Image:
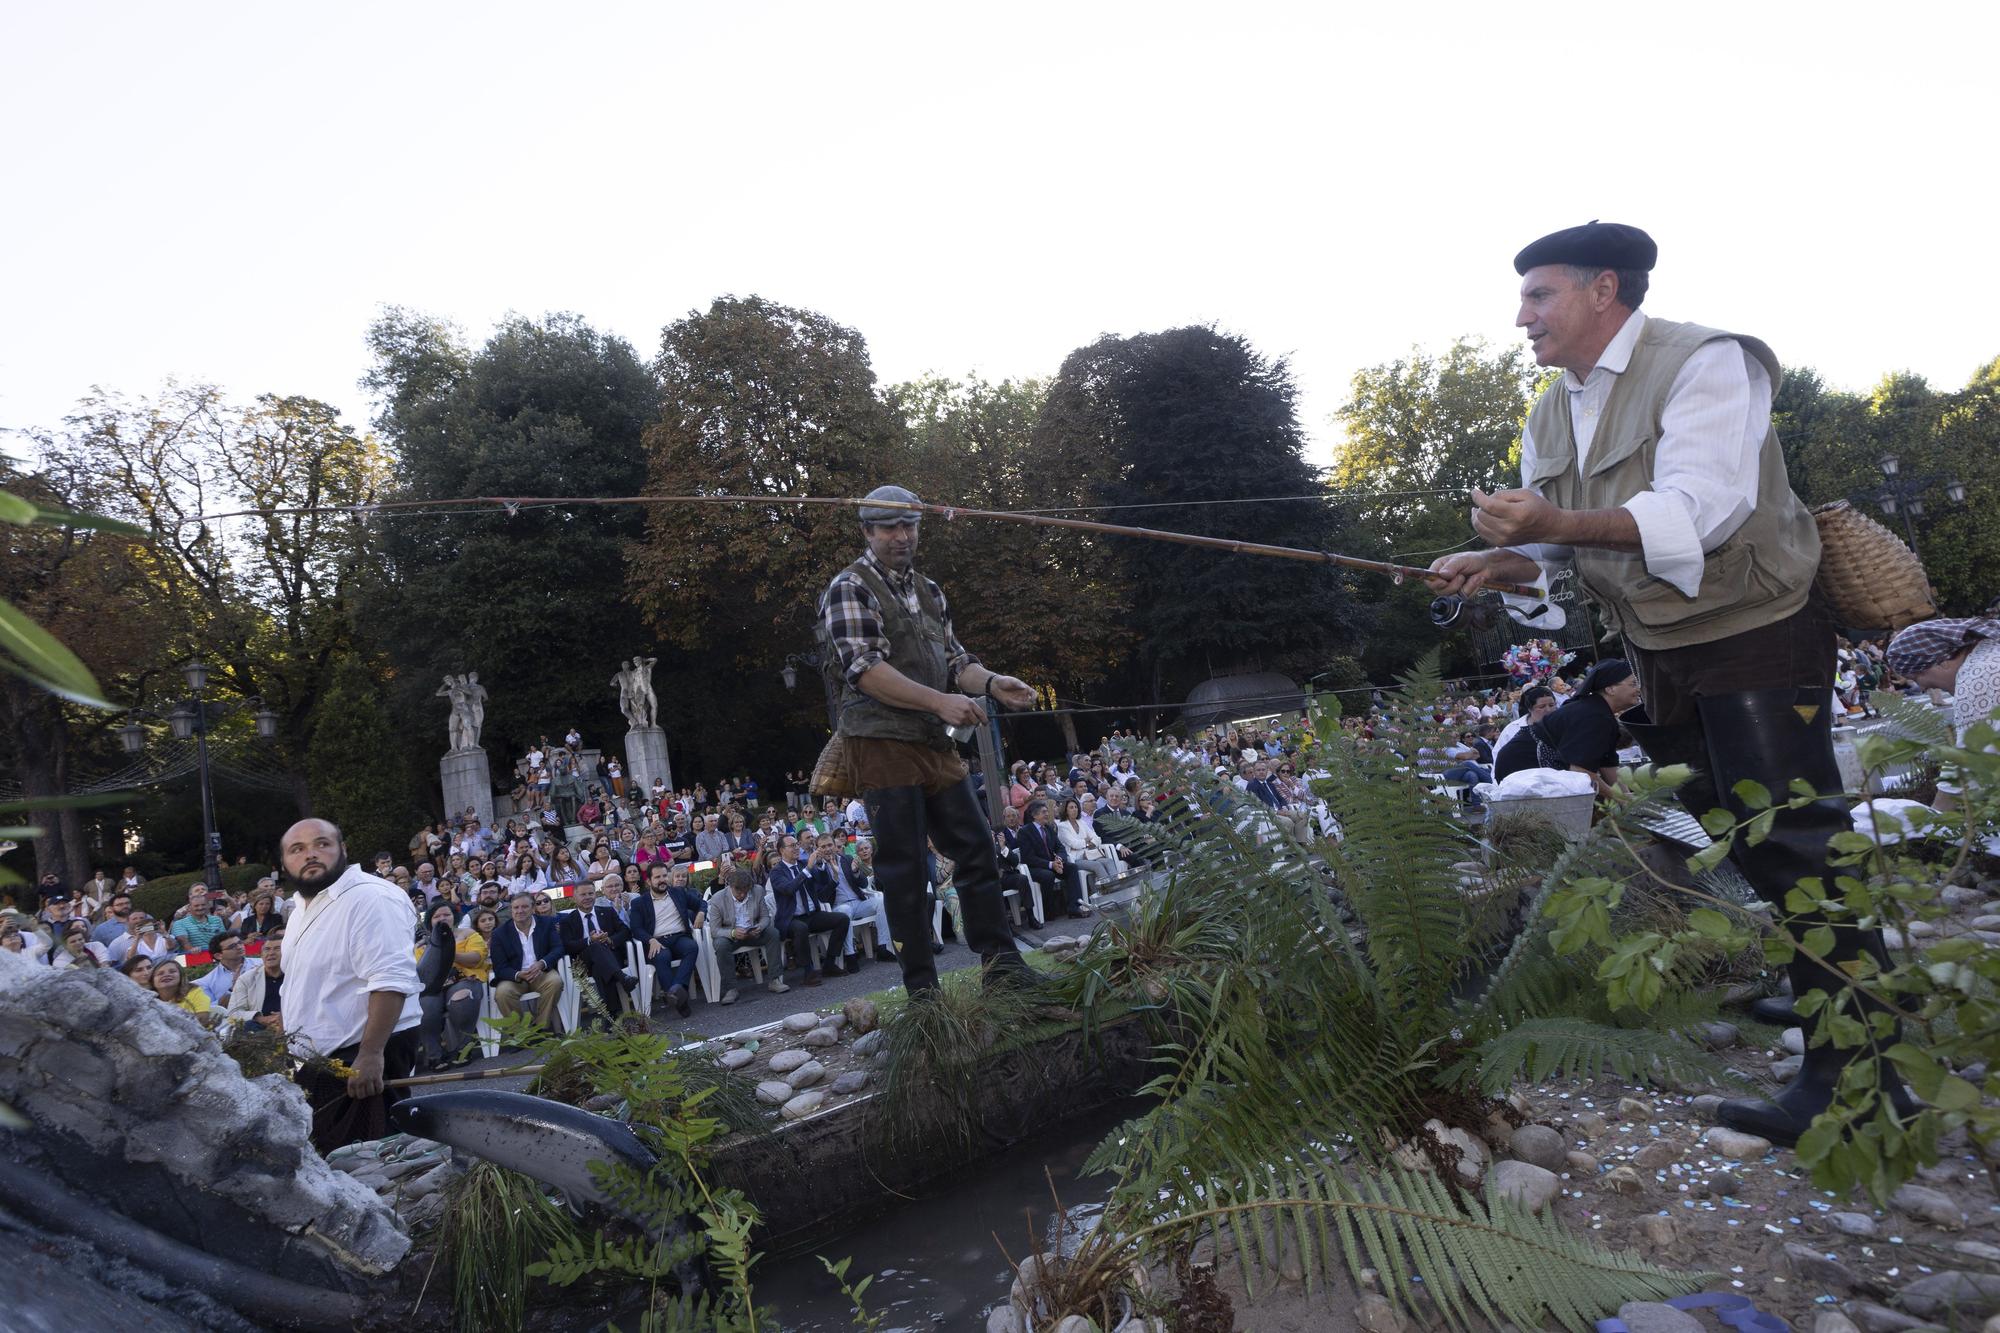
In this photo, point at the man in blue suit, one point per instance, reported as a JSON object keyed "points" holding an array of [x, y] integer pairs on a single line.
{"points": [[526, 951], [664, 921], [592, 933], [804, 893]]}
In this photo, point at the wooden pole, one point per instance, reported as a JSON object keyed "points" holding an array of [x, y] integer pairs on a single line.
{"points": [[989, 760], [464, 1076], [512, 503]]}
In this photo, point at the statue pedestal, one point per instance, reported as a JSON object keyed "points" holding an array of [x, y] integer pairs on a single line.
{"points": [[645, 760], [468, 784]]}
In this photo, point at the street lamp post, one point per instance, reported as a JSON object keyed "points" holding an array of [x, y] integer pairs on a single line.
{"points": [[789, 673], [190, 719], [1903, 494]]}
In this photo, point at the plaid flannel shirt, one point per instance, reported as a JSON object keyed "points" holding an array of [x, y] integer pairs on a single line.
{"points": [[853, 621]]}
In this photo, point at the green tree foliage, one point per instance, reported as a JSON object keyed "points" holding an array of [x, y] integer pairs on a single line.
{"points": [[88, 592], [1420, 433], [531, 600], [1031, 600], [262, 600], [756, 399], [1834, 440], [1164, 425], [355, 782]]}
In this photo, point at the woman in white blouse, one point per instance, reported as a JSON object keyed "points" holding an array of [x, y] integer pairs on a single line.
{"points": [[1081, 845]]}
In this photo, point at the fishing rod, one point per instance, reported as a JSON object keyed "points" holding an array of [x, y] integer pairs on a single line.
{"points": [[514, 503]]}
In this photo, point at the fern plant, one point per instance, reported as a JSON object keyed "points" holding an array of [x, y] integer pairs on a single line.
{"points": [[1313, 1007]]}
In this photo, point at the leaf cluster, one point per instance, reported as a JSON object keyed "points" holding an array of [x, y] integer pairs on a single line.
{"points": [[1314, 1006]]}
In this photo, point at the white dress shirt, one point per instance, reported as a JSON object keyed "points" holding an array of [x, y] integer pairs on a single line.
{"points": [[350, 939], [1705, 467]]}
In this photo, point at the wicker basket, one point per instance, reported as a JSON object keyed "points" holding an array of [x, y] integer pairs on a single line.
{"points": [[1871, 580]]}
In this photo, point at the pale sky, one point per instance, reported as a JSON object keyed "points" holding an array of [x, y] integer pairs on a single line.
{"points": [[228, 192]]}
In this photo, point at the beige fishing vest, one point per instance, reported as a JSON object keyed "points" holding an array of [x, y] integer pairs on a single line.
{"points": [[1762, 574]]}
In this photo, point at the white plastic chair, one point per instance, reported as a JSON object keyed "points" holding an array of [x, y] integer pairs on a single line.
{"points": [[635, 962], [569, 1004]]}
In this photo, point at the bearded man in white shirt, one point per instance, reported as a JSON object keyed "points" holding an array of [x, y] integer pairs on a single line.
{"points": [[1653, 467], [350, 984]]}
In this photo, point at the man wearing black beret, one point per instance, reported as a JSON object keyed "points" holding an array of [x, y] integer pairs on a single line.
{"points": [[1653, 467]]}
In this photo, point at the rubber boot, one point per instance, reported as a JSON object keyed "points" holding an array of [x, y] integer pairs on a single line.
{"points": [[897, 819], [1775, 737], [1682, 743], [1685, 744], [960, 829]]}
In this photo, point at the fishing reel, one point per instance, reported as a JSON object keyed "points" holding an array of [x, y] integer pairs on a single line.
{"points": [[1479, 615]]}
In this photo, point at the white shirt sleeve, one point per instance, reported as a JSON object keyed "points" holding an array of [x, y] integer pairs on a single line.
{"points": [[384, 956], [1705, 469]]}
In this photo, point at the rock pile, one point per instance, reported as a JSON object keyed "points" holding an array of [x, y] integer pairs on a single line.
{"points": [[137, 1106]]}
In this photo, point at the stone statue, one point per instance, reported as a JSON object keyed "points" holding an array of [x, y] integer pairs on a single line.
{"points": [[634, 683], [468, 709]]}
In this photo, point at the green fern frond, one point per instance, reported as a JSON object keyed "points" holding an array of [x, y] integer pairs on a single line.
{"points": [[1911, 720], [1543, 1048], [1482, 1262]]}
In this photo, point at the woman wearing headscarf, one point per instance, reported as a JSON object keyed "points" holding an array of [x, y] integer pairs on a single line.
{"points": [[1961, 657], [1582, 735]]}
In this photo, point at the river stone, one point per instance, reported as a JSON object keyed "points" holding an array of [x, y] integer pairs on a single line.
{"points": [[866, 1044], [1833, 1321], [1959, 896], [1005, 1319], [1660, 1231], [1992, 1325], [1988, 922], [807, 1074], [1580, 1162], [1852, 1224], [1875, 1318], [1623, 1180], [1727, 1182], [1059, 943], [804, 1104], [821, 1037], [1589, 1124], [853, 1081], [1718, 1036], [1658, 1317], [1538, 1144], [774, 1092], [1471, 1152], [1631, 1108], [1817, 1269], [429, 1183], [1793, 1041], [1656, 1156], [736, 1059], [1787, 1069], [805, 1022], [1375, 1314], [784, 1062], [1074, 1323], [1951, 1290], [1704, 1107], [1733, 1143], [1974, 1249], [861, 1014], [1525, 1184], [1928, 1205]]}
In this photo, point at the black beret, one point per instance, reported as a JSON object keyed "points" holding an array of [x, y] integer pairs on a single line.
{"points": [[1599, 244]]}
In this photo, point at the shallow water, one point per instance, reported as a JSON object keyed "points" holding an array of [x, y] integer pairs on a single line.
{"points": [[934, 1259]]}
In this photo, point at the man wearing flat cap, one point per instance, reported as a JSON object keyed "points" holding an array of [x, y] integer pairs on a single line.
{"points": [[1652, 466], [886, 640]]}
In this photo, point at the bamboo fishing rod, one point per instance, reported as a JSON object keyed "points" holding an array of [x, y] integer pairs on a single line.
{"points": [[464, 1076], [514, 503]]}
